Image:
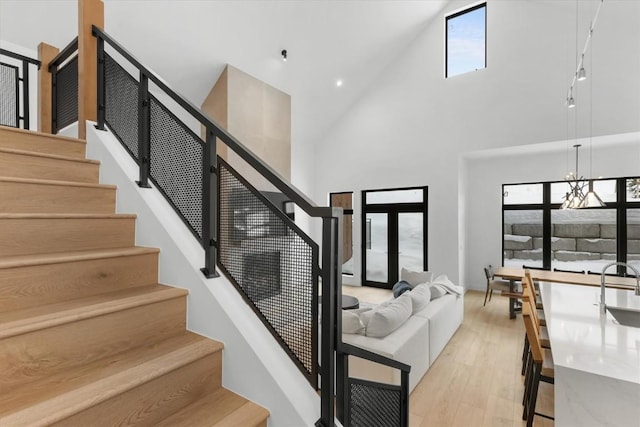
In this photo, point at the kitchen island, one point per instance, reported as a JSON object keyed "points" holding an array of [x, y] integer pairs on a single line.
{"points": [[596, 360]]}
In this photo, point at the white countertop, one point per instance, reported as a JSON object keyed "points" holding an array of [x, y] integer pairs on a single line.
{"points": [[583, 340]]}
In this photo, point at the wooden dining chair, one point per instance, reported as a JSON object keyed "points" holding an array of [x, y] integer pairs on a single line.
{"points": [[539, 368], [528, 296], [533, 296], [499, 285]]}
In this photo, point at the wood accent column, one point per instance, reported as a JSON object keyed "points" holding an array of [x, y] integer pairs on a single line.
{"points": [[90, 12], [46, 53], [259, 115]]}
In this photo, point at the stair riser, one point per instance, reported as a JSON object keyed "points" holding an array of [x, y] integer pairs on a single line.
{"points": [[26, 166], [18, 197], [34, 355], [31, 286], [155, 400], [23, 236], [17, 140]]}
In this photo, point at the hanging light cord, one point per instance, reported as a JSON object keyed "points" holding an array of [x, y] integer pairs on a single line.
{"points": [[586, 44], [591, 105]]}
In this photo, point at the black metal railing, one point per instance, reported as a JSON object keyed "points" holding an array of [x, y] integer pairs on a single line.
{"points": [[363, 403], [64, 87], [14, 89], [274, 265]]}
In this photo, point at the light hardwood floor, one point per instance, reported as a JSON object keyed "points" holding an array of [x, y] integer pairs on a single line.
{"points": [[476, 379]]}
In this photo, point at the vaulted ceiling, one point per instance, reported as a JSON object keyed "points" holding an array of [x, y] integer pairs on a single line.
{"points": [[189, 42]]}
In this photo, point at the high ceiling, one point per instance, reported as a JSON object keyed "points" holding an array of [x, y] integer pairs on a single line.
{"points": [[189, 42]]}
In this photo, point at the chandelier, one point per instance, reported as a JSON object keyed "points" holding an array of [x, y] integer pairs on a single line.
{"points": [[576, 198]]}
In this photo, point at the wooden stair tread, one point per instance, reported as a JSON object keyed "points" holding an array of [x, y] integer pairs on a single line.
{"points": [[48, 156], [65, 216], [63, 257], [46, 316], [222, 408], [44, 135], [42, 143], [55, 182], [62, 395]]}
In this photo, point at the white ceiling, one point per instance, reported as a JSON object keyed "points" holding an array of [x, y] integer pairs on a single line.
{"points": [[189, 42]]}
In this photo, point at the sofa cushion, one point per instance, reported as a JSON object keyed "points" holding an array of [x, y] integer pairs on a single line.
{"points": [[351, 323], [400, 288], [446, 302], [408, 344], [445, 316], [420, 297], [385, 319], [437, 290], [414, 278], [414, 332]]}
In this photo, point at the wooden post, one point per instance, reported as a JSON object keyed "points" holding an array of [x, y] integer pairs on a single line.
{"points": [[90, 12], [46, 53]]}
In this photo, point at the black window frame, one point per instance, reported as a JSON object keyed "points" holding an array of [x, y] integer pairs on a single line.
{"points": [[446, 35], [621, 205], [393, 209]]}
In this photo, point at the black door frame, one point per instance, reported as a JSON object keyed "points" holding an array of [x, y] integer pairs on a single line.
{"points": [[392, 210]]}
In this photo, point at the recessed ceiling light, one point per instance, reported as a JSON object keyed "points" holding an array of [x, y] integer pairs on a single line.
{"points": [[339, 83]]}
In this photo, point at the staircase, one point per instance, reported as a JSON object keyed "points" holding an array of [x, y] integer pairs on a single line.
{"points": [[87, 335]]}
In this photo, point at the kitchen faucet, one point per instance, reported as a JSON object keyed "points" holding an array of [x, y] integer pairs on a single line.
{"points": [[603, 307]]}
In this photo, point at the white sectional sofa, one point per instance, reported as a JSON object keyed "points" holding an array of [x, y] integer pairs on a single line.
{"points": [[417, 343]]}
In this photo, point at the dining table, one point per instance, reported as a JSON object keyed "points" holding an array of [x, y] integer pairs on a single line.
{"points": [[515, 275]]}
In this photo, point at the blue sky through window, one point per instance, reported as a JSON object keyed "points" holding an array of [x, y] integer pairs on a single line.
{"points": [[466, 42]]}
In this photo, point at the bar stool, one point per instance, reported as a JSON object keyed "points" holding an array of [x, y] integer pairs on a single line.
{"points": [[539, 369], [527, 297]]}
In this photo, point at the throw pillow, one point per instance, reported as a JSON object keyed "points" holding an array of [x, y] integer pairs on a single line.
{"points": [[437, 290], [414, 278], [351, 323], [400, 288], [387, 319], [420, 297]]}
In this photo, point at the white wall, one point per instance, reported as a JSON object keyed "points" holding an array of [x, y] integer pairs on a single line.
{"points": [[486, 171], [412, 126], [254, 364]]}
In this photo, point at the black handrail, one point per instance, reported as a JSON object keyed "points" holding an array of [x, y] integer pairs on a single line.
{"points": [[63, 55], [374, 357], [330, 271], [20, 57], [246, 154]]}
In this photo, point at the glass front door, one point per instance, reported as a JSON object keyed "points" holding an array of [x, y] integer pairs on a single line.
{"points": [[394, 234]]}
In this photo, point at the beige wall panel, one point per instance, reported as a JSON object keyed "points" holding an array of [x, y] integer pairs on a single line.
{"points": [[215, 105], [259, 116]]}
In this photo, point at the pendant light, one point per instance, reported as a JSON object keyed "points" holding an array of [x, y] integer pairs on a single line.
{"points": [[591, 199], [575, 196], [580, 73]]}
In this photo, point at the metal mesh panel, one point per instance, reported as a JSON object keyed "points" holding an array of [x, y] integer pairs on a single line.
{"points": [[121, 104], [176, 164], [67, 94], [271, 262], [8, 95], [373, 405]]}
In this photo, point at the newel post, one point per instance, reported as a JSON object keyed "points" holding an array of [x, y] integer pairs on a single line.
{"points": [[46, 53], [90, 12]]}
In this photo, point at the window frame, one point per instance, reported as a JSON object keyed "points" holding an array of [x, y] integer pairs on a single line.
{"points": [[446, 35], [392, 210], [621, 205]]}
